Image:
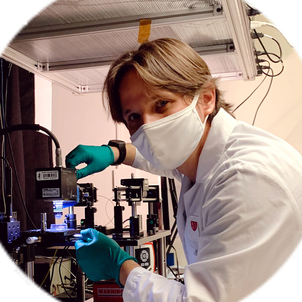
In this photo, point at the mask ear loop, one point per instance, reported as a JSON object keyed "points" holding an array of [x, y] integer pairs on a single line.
{"points": [[205, 121], [195, 99], [194, 103]]}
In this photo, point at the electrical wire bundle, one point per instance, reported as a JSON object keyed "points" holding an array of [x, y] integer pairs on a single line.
{"points": [[176, 274], [262, 68], [73, 279], [264, 61]]}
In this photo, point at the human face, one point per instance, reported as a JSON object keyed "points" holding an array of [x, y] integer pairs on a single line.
{"points": [[141, 106]]}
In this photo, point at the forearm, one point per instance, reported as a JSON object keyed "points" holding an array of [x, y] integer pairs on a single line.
{"points": [[126, 269], [130, 154]]}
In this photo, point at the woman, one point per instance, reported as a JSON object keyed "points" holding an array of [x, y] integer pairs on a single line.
{"points": [[241, 199]]}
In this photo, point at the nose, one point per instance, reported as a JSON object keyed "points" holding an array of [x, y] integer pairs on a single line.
{"points": [[142, 119], [147, 118]]}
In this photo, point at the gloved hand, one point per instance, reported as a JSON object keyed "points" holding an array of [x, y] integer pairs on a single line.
{"points": [[97, 159], [99, 256]]}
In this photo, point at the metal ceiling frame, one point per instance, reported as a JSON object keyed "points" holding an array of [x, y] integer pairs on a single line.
{"points": [[83, 28], [88, 63], [47, 70], [239, 27], [33, 66]]}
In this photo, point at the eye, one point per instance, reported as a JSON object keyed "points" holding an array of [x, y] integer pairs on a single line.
{"points": [[133, 122], [133, 117], [161, 104]]}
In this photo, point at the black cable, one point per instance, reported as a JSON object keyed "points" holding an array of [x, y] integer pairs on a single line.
{"points": [[173, 196], [252, 11], [6, 92], [250, 94], [175, 206], [3, 120], [36, 127], [18, 183], [269, 54], [176, 276], [177, 263], [5, 160], [4, 124], [3, 176], [60, 274], [53, 268], [274, 75], [264, 49], [173, 237], [10, 66], [65, 248], [3, 111], [30, 127], [278, 44], [269, 87], [266, 75], [2, 89], [2, 117]]}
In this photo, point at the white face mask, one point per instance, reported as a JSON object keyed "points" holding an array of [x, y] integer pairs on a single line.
{"points": [[168, 142]]}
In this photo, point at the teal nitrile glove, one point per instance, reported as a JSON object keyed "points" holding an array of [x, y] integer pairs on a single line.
{"points": [[99, 256], [97, 159]]}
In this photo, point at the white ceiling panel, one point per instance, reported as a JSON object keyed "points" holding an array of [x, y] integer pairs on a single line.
{"points": [[74, 41], [76, 11]]}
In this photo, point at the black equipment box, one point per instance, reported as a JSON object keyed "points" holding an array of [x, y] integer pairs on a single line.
{"points": [[56, 184]]}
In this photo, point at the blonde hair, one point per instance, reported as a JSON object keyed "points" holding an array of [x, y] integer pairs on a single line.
{"points": [[162, 64]]}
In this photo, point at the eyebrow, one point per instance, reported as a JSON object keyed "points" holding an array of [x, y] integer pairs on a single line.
{"points": [[126, 112], [159, 96], [155, 97]]}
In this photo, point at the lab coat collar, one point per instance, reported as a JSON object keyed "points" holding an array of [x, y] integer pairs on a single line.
{"points": [[220, 131]]}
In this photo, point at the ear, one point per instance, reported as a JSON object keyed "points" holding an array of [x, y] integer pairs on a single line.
{"points": [[207, 98]]}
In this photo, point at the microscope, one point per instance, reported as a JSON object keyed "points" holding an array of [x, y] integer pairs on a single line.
{"points": [[59, 186], [135, 191]]}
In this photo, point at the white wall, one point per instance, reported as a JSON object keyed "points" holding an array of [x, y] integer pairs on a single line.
{"points": [[43, 101]]}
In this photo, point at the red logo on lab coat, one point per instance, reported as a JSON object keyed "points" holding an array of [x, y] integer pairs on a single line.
{"points": [[194, 225]]}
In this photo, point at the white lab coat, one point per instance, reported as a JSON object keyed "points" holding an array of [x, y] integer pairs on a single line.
{"points": [[238, 223]]}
